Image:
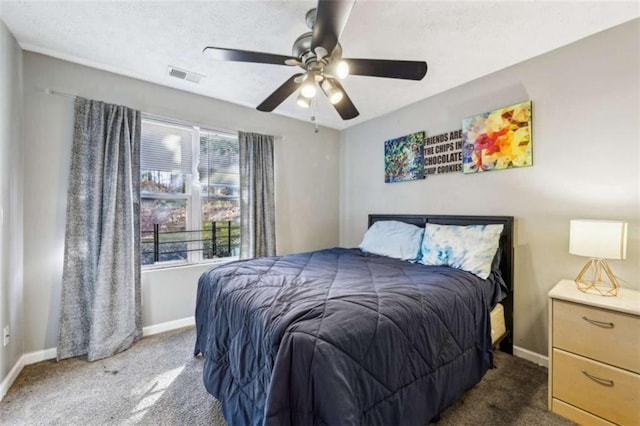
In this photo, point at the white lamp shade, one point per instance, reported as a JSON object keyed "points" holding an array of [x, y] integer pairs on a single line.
{"points": [[601, 239]]}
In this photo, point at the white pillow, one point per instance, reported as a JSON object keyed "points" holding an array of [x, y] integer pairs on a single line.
{"points": [[470, 248], [393, 239]]}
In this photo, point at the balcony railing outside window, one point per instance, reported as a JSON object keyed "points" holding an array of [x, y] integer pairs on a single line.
{"points": [[215, 240]]}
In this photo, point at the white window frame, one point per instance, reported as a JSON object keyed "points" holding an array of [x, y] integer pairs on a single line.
{"points": [[193, 213]]}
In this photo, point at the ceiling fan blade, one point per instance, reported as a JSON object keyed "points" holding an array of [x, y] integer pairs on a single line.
{"points": [[331, 17], [345, 107], [220, 53], [408, 70], [280, 94]]}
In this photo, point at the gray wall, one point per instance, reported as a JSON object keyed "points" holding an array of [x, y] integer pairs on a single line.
{"points": [[586, 164], [307, 174], [11, 307]]}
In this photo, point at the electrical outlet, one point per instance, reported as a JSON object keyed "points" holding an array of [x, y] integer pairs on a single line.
{"points": [[5, 336]]}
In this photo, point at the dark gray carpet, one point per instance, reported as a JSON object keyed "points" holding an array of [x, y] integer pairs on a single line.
{"points": [[159, 382]]}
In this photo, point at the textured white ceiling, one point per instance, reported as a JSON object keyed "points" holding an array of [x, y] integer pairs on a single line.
{"points": [[460, 41]]}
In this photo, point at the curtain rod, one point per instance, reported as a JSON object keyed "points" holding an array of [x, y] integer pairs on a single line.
{"points": [[160, 117], [55, 92]]}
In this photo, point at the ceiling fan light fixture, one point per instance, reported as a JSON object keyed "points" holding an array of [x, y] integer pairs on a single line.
{"points": [[303, 101], [336, 97], [308, 90], [342, 70], [338, 69], [331, 91]]}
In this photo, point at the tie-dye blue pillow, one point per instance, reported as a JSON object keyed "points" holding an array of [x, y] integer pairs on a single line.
{"points": [[470, 248], [393, 239]]}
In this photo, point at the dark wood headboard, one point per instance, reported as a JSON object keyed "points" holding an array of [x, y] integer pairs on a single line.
{"points": [[506, 243]]}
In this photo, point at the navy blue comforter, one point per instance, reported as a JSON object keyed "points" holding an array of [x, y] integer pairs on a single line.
{"points": [[340, 337]]}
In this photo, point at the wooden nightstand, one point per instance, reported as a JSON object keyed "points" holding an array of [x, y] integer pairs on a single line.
{"points": [[594, 356]]}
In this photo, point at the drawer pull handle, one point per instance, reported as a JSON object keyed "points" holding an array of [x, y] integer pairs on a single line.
{"points": [[599, 323], [604, 382]]}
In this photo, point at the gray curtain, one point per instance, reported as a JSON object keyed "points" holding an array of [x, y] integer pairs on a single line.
{"points": [[257, 206], [100, 309]]}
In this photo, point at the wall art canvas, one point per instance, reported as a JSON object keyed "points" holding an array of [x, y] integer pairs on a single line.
{"points": [[404, 158], [496, 140]]}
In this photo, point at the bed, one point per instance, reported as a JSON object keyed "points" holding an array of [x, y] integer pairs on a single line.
{"points": [[341, 336]]}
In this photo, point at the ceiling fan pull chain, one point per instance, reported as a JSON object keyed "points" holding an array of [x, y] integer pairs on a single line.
{"points": [[313, 115]]}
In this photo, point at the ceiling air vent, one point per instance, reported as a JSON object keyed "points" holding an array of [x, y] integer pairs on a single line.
{"points": [[185, 75]]}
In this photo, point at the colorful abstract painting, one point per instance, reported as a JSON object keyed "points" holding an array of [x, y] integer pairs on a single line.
{"points": [[497, 140], [404, 158]]}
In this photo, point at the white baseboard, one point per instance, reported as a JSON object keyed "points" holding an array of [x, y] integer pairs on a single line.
{"points": [[25, 359], [37, 356], [43, 355], [167, 326], [534, 357], [11, 377]]}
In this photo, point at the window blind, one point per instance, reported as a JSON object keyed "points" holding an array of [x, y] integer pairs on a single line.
{"points": [[165, 148], [219, 166]]}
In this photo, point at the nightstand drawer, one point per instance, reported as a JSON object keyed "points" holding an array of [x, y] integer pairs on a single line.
{"points": [[607, 336], [597, 388], [577, 415]]}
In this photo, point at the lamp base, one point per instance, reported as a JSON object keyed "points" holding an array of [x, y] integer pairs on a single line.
{"points": [[597, 284]]}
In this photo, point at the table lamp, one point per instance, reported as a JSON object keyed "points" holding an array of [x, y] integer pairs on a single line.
{"points": [[598, 240]]}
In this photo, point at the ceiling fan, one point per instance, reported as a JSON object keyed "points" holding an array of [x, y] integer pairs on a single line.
{"points": [[319, 54]]}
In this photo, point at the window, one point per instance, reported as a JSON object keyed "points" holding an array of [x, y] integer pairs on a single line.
{"points": [[190, 201]]}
